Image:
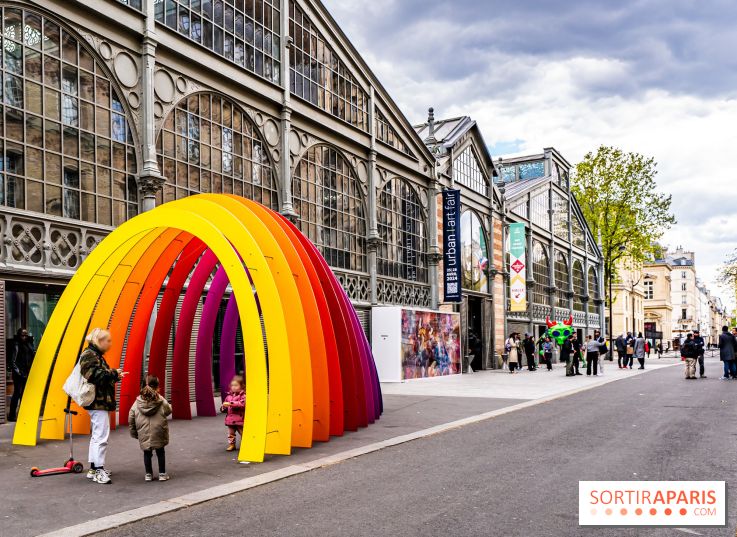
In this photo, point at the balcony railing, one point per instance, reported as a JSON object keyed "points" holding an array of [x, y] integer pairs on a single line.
{"points": [[45, 244], [402, 292]]}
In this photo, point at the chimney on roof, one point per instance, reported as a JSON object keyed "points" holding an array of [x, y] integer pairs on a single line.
{"points": [[430, 127]]}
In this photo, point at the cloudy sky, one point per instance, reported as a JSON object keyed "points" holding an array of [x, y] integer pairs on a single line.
{"points": [[658, 77]]}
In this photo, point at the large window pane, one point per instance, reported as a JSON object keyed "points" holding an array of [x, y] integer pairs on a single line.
{"points": [[58, 113], [204, 133], [329, 201], [403, 247]]}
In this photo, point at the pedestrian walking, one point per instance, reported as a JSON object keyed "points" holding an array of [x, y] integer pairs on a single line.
{"points": [[235, 408], [603, 349], [699, 344], [548, 353], [690, 352], [566, 354], [621, 347], [529, 346], [96, 370], [639, 346], [659, 350], [629, 350], [593, 348], [576, 353], [148, 423], [727, 354], [648, 348], [22, 353]]}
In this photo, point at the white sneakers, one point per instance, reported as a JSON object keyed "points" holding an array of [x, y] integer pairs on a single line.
{"points": [[162, 477], [91, 474], [102, 477]]}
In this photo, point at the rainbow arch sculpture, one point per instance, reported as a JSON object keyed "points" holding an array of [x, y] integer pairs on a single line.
{"points": [[314, 378]]}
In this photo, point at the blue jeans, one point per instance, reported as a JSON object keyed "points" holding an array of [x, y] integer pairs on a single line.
{"points": [[730, 368]]}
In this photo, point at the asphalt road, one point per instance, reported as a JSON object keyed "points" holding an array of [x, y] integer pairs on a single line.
{"points": [[515, 475]]}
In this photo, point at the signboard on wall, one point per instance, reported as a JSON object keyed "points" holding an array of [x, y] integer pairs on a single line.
{"points": [[452, 245], [517, 268], [415, 344]]}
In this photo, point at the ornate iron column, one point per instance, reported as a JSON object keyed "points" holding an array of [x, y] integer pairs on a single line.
{"points": [[434, 255], [373, 239], [150, 179], [286, 206]]}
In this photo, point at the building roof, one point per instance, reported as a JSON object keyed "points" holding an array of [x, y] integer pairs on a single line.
{"points": [[516, 189], [446, 131]]}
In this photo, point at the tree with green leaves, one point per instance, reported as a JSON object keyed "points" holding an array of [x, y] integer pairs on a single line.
{"points": [[728, 274], [619, 198]]}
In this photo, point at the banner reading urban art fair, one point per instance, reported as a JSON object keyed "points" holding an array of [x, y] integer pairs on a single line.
{"points": [[452, 245], [517, 269]]}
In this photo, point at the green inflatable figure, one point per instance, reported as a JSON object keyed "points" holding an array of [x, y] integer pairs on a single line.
{"points": [[559, 332]]}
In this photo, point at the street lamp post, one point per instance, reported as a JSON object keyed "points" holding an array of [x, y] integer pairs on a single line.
{"points": [[611, 299]]}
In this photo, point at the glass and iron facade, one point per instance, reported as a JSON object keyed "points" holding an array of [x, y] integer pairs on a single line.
{"points": [[100, 123], [565, 259], [464, 163]]}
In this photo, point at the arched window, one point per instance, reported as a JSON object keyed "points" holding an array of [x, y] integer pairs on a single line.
{"points": [[541, 274], [208, 144], [561, 280], [67, 148], [329, 201], [578, 286], [593, 290], [474, 253], [403, 249], [467, 171]]}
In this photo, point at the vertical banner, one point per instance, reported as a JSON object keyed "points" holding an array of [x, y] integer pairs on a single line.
{"points": [[452, 245], [517, 268]]}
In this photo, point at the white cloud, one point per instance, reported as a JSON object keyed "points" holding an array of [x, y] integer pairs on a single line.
{"points": [[575, 103]]}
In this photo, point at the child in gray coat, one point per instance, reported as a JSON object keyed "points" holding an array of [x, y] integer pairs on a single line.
{"points": [[148, 423]]}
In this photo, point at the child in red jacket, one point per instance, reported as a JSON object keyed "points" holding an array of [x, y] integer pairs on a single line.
{"points": [[235, 406]]}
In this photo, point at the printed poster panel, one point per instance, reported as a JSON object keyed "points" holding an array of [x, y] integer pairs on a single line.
{"points": [[517, 268], [431, 344], [452, 245]]}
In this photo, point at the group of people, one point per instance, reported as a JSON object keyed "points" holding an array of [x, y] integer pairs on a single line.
{"points": [[572, 352], [692, 351], [517, 348], [147, 418], [630, 347]]}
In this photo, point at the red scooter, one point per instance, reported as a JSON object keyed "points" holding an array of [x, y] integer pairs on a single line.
{"points": [[71, 466]]}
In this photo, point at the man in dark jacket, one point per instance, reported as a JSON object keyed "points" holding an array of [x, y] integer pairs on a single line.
{"points": [[565, 355], [621, 349], [21, 357], [690, 353], [726, 353], [576, 353], [699, 344], [529, 345]]}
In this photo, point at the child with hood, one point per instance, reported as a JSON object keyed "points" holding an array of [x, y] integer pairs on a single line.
{"points": [[235, 407], [148, 423]]}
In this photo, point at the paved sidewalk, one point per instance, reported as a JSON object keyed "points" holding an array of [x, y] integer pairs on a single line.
{"points": [[523, 385], [196, 458]]}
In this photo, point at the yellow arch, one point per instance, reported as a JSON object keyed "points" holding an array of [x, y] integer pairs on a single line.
{"points": [[301, 365], [186, 215]]}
